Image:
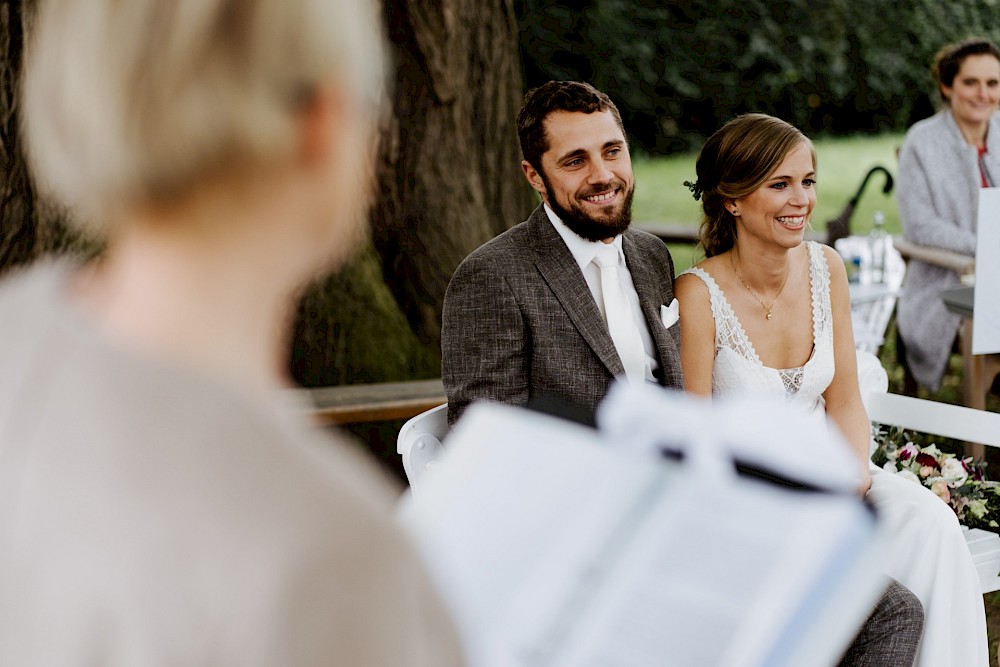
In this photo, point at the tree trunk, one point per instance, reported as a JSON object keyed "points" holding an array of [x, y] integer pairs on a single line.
{"points": [[449, 179], [17, 200], [30, 225]]}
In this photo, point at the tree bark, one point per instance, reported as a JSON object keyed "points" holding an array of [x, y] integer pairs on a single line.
{"points": [[17, 200], [449, 179], [31, 225], [457, 181]]}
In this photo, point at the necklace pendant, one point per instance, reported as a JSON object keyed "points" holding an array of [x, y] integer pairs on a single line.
{"points": [[769, 314]]}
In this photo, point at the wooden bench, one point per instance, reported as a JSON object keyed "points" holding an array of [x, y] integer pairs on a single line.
{"points": [[383, 401]]}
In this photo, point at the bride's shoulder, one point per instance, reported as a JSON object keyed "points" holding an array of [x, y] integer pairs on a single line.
{"points": [[834, 262], [695, 283], [707, 269]]}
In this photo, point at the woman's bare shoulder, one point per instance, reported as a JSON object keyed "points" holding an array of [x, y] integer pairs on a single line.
{"points": [[693, 286], [834, 264]]}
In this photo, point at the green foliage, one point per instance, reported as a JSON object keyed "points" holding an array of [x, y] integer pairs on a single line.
{"points": [[680, 70]]}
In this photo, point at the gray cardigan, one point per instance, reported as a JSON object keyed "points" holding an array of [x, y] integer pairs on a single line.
{"points": [[938, 195]]}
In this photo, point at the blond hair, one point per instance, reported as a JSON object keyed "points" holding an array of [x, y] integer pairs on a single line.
{"points": [[734, 162], [137, 101]]}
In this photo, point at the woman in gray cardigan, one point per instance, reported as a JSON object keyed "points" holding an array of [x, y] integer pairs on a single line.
{"points": [[944, 162]]}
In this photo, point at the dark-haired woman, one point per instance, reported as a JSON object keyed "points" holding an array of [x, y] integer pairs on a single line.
{"points": [[767, 314], [944, 162]]}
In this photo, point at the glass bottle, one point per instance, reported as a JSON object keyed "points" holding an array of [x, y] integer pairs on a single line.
{"points": [[877, 241]]}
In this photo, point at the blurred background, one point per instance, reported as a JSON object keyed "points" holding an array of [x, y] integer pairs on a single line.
{"points": [[680, 70], [853, 74]]}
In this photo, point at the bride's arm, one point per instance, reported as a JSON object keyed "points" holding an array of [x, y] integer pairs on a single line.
{"points": [[843, 396], [697, 334]]}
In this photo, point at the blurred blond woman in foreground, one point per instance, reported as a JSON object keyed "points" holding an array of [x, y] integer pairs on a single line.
{"points": [[159, 503]]}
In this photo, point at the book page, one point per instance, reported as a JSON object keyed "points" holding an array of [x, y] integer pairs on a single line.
{"points": [[986, 323], [509, 515], [733, 578]]}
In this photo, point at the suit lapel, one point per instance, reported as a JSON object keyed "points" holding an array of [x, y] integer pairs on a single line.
{"points": [[562, 274], [649, 290]]}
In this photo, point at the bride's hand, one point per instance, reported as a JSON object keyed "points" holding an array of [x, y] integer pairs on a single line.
{"points": [[866, 482]]}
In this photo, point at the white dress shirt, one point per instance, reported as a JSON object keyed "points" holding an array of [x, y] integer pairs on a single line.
{"points": [[583, 252]]}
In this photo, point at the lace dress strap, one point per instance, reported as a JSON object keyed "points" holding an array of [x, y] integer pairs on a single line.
{"points": [[729, 332], [822, 321], [819, 274]]}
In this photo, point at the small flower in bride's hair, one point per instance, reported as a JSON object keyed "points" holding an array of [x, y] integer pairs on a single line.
{"points": [[695, 189]]}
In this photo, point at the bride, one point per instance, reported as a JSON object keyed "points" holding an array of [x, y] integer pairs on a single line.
{"points": [[767, 313]]}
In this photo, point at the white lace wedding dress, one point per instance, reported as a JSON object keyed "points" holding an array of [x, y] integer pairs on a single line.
{"points": [[929, 556]]}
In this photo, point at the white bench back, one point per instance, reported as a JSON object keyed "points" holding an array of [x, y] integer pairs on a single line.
{"points": [[951, 421]]}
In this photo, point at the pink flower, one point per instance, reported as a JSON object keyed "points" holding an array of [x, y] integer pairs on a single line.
{"points": [[940, 489], [906, 452], [927, 471]]}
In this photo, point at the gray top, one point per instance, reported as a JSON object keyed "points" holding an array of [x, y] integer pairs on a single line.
{"points": [[938, 195], [152, 516]]}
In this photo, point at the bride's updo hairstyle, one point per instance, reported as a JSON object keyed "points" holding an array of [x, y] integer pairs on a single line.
{"points": [[736, 161]]}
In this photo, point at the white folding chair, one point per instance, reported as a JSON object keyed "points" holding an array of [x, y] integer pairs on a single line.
{"points": [[872, 306], [419, 442]]}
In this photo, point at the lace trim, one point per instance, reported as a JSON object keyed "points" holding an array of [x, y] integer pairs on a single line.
{"points": [[729, 332]]}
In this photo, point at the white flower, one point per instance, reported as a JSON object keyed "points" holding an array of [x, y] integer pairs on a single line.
{"points": [[954, 472], [907, 474], [978, 508]]}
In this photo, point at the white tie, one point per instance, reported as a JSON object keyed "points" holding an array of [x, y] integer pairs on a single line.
{"points": [[618, 313]]}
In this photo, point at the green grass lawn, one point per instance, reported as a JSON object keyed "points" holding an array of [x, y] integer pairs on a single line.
{"points": [[661, 196]]}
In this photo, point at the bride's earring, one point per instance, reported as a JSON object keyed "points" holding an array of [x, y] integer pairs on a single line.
{"points": [[736, 213]]}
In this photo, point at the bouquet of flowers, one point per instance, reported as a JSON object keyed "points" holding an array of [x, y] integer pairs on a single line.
{"points": [[960, 482]]}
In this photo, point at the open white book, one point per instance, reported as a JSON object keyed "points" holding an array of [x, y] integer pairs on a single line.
{"points": [[558, 545]]}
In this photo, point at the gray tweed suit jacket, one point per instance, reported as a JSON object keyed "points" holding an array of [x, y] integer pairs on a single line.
{"points": [[520, 323]]}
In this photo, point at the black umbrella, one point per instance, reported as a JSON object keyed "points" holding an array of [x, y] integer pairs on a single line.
{"points": [[840, 226]]}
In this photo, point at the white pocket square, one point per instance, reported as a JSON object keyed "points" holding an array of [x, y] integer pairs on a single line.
{"points": [[670, 314]]}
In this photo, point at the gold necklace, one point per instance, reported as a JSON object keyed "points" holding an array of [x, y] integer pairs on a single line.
{"points": [[767, 308]]}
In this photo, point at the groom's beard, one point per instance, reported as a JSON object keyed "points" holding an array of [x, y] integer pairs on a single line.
{"points": [[611, 224]]}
